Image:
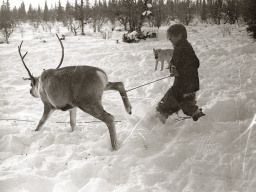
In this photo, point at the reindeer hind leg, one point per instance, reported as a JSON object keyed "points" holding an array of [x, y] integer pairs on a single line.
{"points": [[119, 86]]}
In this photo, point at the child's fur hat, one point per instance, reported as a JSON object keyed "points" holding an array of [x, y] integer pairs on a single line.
{"points": [[177, 29]]}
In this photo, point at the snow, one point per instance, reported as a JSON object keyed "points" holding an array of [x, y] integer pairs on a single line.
{"points": [[132, 35], [146, 13], [149, 5], [216, 153]]}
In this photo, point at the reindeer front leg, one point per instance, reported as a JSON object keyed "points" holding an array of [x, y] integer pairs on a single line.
{"points": [[47, 113], [97, 111], [72, 113]]}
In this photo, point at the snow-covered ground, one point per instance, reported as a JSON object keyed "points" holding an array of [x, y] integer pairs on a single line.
{"points": [[215, 154]]}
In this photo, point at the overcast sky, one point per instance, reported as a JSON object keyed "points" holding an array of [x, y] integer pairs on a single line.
{"points": [[35, 3]]}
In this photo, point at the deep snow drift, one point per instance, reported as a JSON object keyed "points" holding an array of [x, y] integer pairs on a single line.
{"points": [[215, 154]]}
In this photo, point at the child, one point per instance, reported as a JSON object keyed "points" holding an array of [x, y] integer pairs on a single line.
{"points": [[184, 65]]}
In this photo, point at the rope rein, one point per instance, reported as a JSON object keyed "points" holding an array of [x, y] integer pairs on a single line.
{"points": [[148, 83], [58, 122]]}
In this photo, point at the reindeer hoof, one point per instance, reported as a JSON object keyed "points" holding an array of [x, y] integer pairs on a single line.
{"points": [[115, 146], [129, 109]]}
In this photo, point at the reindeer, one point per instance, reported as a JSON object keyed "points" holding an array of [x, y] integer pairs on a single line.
{"points": [[73, 87]]}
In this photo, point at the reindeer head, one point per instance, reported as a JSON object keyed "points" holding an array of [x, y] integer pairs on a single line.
{"points": [[34, 91]]}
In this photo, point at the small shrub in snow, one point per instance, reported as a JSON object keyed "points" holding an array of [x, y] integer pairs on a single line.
{"points": [[135, 37], [106, 34], [130, 37], [151, 34], [21, 29], [226, 29], [47, 27], [7, 32], [57, 29], [118, 28], [73, 26], [252, 31]]}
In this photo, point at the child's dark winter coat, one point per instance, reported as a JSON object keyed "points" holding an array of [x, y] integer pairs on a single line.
{"points": [[187, 64]]}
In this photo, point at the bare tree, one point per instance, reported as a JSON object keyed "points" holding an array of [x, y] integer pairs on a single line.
{"points": [[7, 24], [250, 17], [6, 32], [74, 26], [158, 12], [99, 16], [79, 14]]}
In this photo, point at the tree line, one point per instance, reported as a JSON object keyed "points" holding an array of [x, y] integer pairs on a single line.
{"points": [[131, 14]]}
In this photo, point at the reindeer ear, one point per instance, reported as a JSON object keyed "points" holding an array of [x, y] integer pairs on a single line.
{"points": [[25, 78], [33, 80]]}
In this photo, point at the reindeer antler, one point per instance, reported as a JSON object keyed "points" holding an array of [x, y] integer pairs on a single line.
{"points": [[62, 57], [32, 78]]}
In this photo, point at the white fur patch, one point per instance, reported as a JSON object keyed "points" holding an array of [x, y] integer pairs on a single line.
{"points": [[103, 77]]}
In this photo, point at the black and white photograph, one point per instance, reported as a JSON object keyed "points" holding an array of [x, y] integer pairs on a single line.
{"points": [[127, 95]]}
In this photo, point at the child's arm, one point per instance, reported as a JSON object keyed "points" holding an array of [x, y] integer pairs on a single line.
{"points": [[188, 63], [174, 72]]}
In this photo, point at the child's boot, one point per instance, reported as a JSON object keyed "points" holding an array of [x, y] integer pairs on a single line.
{"points": [[197, 114], [161, 117]]}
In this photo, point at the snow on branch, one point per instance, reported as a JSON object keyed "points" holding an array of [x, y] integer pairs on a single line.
{"points": [[149, 5], [146, 13]]}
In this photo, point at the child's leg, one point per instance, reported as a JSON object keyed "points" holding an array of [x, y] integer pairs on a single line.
{"points": [[188, 104], [168, 104]]}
